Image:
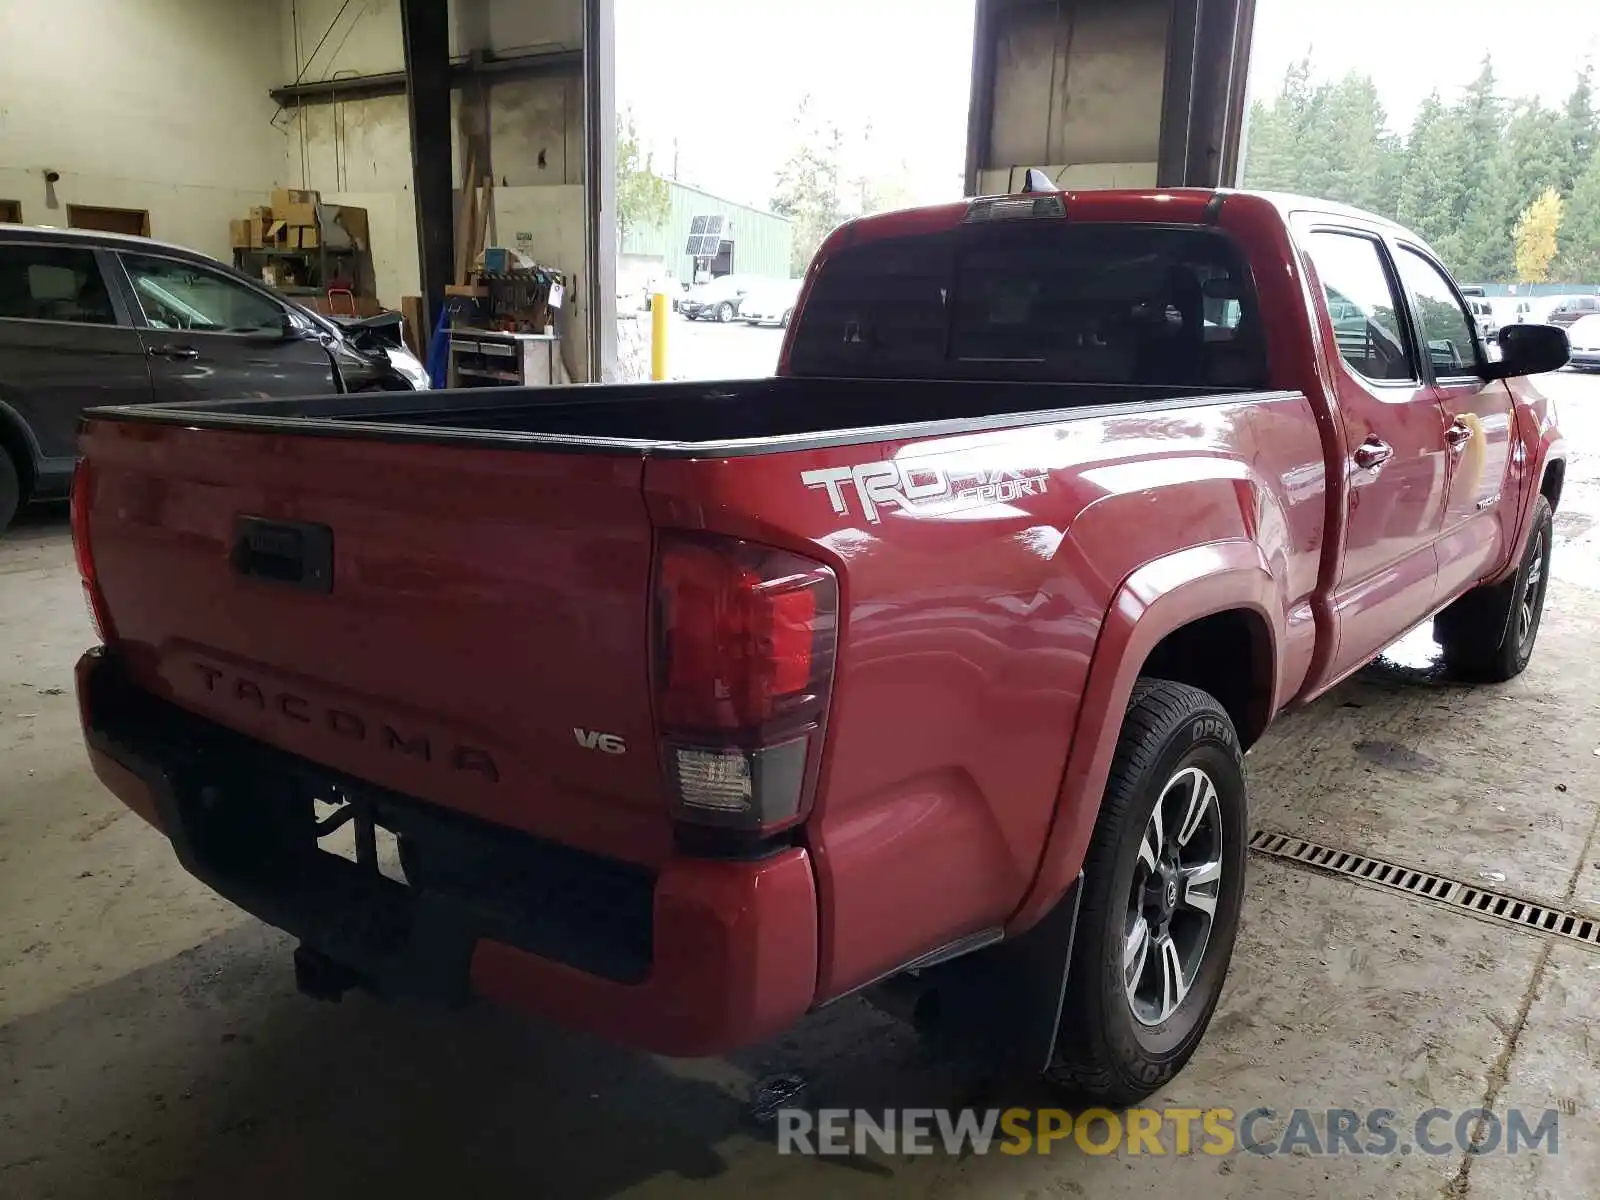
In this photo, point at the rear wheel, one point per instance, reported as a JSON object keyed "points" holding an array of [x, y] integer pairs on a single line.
{"points": [[1163, 885], [1488, 634], [10, 490], [788, 314]]}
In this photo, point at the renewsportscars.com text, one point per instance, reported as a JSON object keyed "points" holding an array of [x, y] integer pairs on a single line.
{"points": [[1167, 1131]]}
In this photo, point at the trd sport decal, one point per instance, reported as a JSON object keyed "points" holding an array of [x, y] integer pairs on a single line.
{"points": [[921, 489]]}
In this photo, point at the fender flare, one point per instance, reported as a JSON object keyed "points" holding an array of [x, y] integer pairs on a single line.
{"points": [[1160, 597], [1541, 447]]}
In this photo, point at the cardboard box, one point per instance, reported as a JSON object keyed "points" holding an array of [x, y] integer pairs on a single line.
{"points": [[261, 212], [276, 234], [282, 198], [239, 233], [256, 230], [305, 237], [354, 221], [296, 214], [416, 327]]}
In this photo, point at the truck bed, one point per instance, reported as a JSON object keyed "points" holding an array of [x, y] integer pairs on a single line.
{"points": [[684, 419]]}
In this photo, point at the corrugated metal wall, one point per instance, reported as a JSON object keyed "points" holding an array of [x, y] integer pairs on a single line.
{"points": [[762, 241]]}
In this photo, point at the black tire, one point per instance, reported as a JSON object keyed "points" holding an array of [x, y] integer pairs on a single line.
{"points": [[1488, 635], [724, 312], [1105, 1054], [10, 490]]}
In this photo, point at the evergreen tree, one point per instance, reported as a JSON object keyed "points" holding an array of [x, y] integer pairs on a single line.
{"points": [[1360, 156], [1432, 185], [1466, 175], [1481, 251], [1275, 159], [1579, 260], [1580, 129], [1534, 152]]}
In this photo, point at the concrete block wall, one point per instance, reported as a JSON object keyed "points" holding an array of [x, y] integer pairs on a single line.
{"points": [[159, 105]]}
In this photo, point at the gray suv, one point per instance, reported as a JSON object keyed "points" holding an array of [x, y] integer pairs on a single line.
{"points": [[98, 318]]}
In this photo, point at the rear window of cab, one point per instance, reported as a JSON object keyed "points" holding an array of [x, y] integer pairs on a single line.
{"points": [[1043, 301]]}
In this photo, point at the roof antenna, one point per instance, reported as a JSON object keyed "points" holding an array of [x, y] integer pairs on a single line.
{"points": [[1037, 181]]}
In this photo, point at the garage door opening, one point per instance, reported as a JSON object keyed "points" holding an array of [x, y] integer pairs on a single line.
{"points": [[132, 221], [746, 133]]}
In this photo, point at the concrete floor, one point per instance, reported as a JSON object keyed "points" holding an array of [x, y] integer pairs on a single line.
{"points": [[152, 1043]]}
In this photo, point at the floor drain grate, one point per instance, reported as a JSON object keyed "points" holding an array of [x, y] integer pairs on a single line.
{"points": [[1496, 906]]}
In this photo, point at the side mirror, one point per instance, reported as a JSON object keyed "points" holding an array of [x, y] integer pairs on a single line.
{"points": [[1530, 350]]}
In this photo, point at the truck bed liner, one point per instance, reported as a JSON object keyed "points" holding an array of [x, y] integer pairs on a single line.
{"points": [[677, 418]]}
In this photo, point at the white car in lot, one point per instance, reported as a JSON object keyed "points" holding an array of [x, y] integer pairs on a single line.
{"points": [[770, 302], [1483, 312], [1584, 337]]}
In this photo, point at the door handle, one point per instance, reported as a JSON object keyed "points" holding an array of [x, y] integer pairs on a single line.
{"points": [[173, 352], [1458, 434], [1373, 452]]}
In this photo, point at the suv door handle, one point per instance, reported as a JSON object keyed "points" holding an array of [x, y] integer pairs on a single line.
{"points": [[1373, 452], [173, 352], [1457, 434]]}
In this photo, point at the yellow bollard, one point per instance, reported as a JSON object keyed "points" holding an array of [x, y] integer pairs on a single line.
{"points": [[660, 309]]}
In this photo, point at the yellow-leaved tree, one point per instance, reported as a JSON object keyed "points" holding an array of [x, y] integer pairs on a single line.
{"points": [[1535, 237]]}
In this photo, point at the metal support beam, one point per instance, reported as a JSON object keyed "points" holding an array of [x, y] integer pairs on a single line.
{"points": [[425, 25], [980, 108], [481, 68], [1202, 112], [600, 186]]}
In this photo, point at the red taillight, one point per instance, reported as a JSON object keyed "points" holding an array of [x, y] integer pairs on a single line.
{"points": [[82, 487], [745, 638]]}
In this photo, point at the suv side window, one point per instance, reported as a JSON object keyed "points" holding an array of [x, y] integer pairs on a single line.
{"points": [[1363, 304], [180, 295], [1447, 331], [53, 283]]}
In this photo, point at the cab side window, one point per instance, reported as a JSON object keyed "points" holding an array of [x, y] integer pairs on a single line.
{"points": [[1447, 330], [179, 295], [53, 283], [1362, 304]]}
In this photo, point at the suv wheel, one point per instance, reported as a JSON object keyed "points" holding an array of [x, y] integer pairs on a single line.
{"points": [[10, 490], [725, 312], [1163, 885], [1488, 634]]}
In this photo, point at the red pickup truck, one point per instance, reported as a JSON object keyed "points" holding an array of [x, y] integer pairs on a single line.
{"points": [[924, 668]]}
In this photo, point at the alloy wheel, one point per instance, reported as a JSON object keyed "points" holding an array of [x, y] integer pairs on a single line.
{"points": [[1172, 903], [1532, 594]]}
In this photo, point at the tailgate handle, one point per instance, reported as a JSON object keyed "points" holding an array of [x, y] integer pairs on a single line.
{"points": [[297, 553]]}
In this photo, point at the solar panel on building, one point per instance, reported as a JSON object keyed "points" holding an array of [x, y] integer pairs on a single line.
{"points": [[705, 235]]}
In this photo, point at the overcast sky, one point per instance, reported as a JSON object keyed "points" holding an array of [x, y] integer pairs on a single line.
{"points": [[1411, 47], [713, 84]]}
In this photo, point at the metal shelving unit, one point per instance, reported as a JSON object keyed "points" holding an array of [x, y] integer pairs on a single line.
{"points": [[315, 266]]}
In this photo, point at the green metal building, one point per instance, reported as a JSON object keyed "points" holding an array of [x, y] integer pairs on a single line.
{"points": [[761, 241]]}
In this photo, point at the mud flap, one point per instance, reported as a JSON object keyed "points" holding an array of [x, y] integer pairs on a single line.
{"points": [[1000, 1005]]}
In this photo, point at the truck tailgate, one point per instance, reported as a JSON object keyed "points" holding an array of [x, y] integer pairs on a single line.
{"points": [[481, 642]]}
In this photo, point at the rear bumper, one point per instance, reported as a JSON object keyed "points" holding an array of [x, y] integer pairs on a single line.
{"points": [[698, 958]]}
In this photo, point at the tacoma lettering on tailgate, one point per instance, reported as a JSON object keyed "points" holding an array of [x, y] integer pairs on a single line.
{"points": [[288, 707]]}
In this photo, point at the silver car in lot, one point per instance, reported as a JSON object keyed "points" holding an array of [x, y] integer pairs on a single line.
{"points": [[770, 302]]}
